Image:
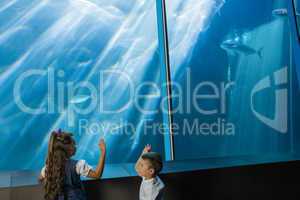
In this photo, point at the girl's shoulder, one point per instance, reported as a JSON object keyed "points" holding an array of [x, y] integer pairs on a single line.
{"points": [[82, 167], [78, 162]]}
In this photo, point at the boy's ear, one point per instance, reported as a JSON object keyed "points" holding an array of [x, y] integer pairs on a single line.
{"points": [[152, 171]]}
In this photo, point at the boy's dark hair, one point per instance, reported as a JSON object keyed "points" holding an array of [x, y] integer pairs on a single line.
{"points": [[155, 161]]}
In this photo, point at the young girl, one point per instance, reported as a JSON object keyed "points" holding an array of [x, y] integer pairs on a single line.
{"points": [[61, 175]]}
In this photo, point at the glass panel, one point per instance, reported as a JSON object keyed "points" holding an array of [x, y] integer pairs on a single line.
{"points": [[297, 12], [230, 63], [81, 66], [296, 80]]}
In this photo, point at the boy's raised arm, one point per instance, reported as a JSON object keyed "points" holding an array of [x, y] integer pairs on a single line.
{"points": [[146, 150]]}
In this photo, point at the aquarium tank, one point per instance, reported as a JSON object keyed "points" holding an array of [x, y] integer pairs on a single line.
{"points": [[97, 69]]}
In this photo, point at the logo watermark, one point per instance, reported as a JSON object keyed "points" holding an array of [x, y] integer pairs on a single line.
{"points": [[147, 127], [280, 120], [205, 99]]}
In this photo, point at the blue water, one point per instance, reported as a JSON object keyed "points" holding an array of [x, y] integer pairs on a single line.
{"points": [[234, 46], [55, 57], [72, 42]]}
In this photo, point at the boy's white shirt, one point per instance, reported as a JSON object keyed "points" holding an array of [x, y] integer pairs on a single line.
{"points": [[151, 189], [82, 169]]}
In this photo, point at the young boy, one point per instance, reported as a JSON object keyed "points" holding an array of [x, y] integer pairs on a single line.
{"points": [[148, 167]]}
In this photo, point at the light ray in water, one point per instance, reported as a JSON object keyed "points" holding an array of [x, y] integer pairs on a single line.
{"points": [[183, 33], [74, 34]]}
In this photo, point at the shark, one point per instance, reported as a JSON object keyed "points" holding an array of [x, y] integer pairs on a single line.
{"points": [[280, 12], [239, 47]]}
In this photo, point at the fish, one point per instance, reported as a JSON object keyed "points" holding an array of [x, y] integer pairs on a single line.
{"points": [[239, 47], [83, 57], [84, 64], [80, 99], [114, 129], [280, 12]]}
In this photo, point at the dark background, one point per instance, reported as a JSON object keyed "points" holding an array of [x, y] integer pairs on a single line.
{"points": [[267, 181]]}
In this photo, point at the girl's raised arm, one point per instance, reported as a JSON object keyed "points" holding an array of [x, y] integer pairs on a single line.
{"points": [[99, 170]]}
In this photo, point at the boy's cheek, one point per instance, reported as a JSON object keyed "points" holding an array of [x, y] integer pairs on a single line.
{"points": [[137, 169], [140, 173]]}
